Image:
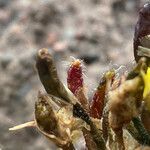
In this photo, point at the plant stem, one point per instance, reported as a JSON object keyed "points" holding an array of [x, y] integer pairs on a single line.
{"points": [[145, 136], [138, 132]]}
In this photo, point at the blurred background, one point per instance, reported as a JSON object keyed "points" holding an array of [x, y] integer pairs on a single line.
{"points": [[98, 31]]}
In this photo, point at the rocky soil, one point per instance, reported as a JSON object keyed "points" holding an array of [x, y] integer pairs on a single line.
{"points": [[98, 31]]}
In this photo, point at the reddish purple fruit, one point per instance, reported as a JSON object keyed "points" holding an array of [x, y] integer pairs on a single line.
{"points": [[97, 104], [75, 76], [142, 27]]}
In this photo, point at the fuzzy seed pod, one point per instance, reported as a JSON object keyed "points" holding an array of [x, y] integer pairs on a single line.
{"points": [[123, 102], [75, 82], [97, 103], [75, 76], [49, 77]]}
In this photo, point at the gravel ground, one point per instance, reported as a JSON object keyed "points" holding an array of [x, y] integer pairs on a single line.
{"points": [[98, 31]]}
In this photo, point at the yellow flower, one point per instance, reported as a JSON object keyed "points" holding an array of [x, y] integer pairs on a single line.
{"points": [[146, 93], [146, 78]]}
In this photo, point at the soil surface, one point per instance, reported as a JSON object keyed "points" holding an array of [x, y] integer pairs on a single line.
{"points": [[98, 31]]}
